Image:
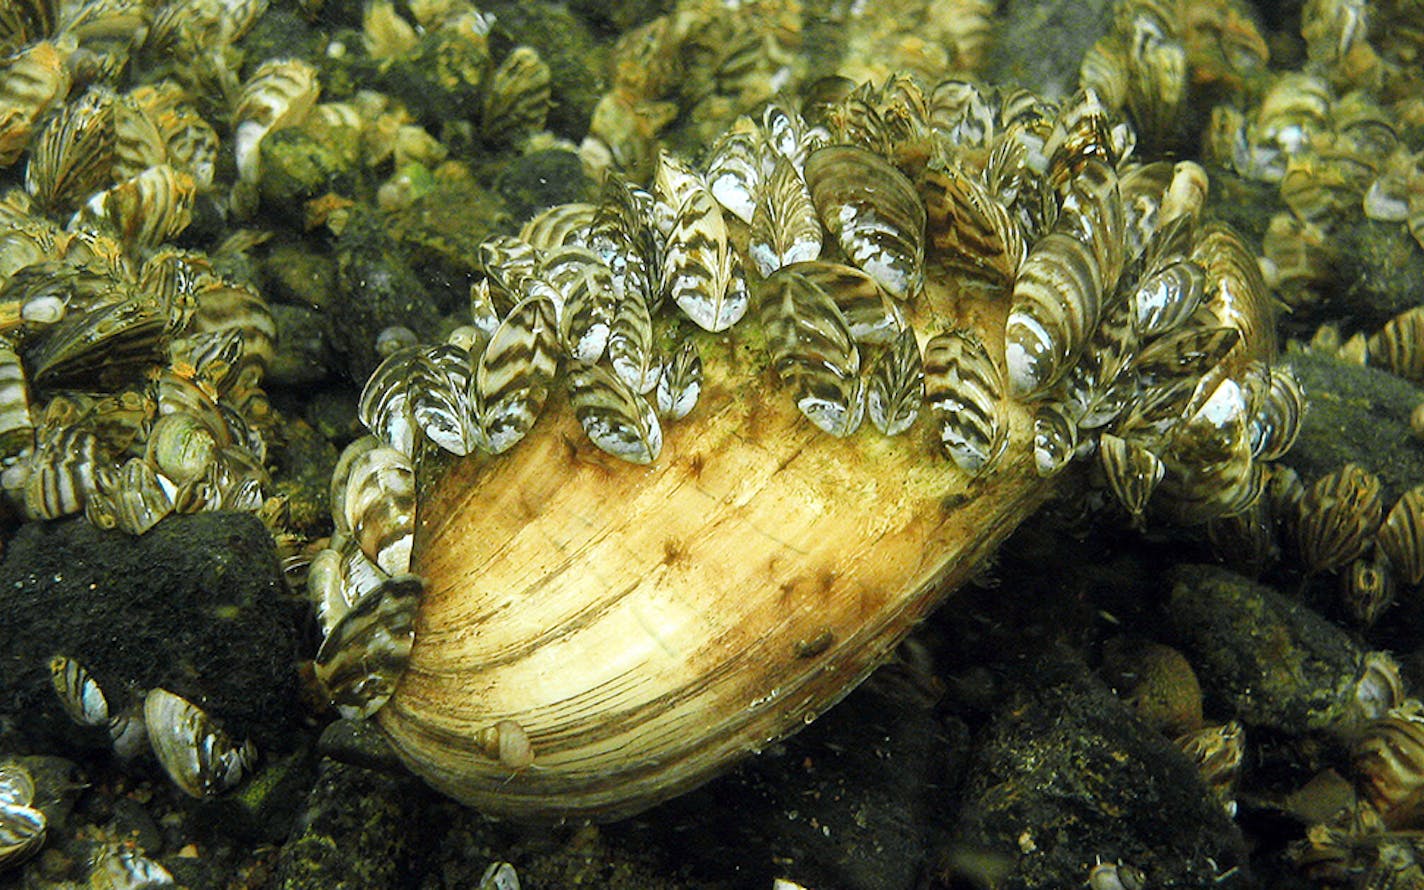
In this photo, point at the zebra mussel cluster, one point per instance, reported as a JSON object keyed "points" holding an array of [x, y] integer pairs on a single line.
{"points": [[192, 749], [1337, 136], [131, 368], [1370, 838], [916, 258], [1159, 56], [1342, 523]]}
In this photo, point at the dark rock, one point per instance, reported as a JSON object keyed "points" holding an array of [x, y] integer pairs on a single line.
{"points": [[1040, 45], [283, 33], [1263, 657], [443, 227], [303, 353], [620, 16], [299, 276], [197, 606], [359, 828], [842, 804], [264, 807], [332, 413], [304, 461], [1343, 399], [376, 288], [1379, 270], [298, 166], [1064, 776], [542, 179], [1244, 204], [584, 855], [441, 77], [131, 822], [359, 742]]}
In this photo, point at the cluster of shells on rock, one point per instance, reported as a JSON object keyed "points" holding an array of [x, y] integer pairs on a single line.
{"points": [[194, 751], [989, 278], [1344, 521], [703, 67], [1159, 55], [23, 826], [1371, 839], [132, 368], [1331, 135], [964, 288], [1340, 524]]}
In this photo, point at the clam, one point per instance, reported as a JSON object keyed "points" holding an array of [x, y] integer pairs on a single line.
{"points": [[617, 601], [596, 636]]}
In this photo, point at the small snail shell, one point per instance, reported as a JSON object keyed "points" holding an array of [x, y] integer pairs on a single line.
{"points": [[596, 636]]}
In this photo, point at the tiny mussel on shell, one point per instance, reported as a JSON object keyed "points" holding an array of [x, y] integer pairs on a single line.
{"points": [[615, 604]]}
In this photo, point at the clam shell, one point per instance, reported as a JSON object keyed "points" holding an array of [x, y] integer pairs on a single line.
{"points": [[644, 626]]}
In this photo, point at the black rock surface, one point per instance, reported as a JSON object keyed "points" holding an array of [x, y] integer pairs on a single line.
{"points": [[197, 606]]}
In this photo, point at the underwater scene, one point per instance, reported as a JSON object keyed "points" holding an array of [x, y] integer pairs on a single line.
{"points": [[711, 444]]}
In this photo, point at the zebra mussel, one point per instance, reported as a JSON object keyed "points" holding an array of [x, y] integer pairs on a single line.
{"points": [[22, 826], [192, 749], [132, 369]]}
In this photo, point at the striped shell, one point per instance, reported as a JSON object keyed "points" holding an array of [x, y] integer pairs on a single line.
{"points": [[198, 755], [1388, 760], [22, 827]]}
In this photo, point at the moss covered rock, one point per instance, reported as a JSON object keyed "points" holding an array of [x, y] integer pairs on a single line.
{"points": [[197, 606], [1066, 776], [1264, 658]]}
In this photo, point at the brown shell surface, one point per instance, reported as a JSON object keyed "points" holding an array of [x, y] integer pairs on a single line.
{"points": [[691, 611]]}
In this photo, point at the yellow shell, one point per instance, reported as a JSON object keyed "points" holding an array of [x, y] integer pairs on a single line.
{"points": [[596, 636]]}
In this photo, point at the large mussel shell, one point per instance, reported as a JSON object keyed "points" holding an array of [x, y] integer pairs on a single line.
{"points": [[721, 597]]}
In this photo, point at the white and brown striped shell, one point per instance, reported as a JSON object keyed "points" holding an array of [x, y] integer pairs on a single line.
{"points": [[1218, 752], [700, 271], [279, 94], [1388, 762], [22, 826], [964, 391], [1401, 536], [874, 213], [197, 755], [1337, 519], [812, 350]]}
